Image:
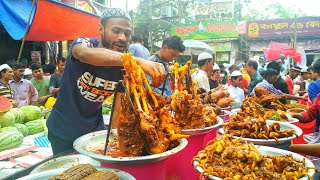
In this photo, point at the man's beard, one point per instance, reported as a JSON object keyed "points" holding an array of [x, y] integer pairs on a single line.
{"points": [[109, 46]]}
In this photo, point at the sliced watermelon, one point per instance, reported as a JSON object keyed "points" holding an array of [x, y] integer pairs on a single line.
{"points": [[5, 104]]}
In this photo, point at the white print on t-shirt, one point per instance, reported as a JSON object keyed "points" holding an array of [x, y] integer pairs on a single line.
{"points": [[95, 89]]}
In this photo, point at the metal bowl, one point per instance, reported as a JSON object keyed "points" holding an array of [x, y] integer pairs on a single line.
{"points": [[89, 143], [204, 130], [273, 152], [65, 162], [268, 142], [47, 174]]}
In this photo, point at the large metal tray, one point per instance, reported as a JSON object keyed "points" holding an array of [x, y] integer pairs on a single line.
{"points": [[274, 152], [47, 174], [204, 130], [65, 162], [283, 126], [87, 144]]}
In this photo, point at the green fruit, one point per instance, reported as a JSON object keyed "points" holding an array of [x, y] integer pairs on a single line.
{"points": [[31, 113], [10, 139], [19, 115], [46, 116], [22, 128], [7, 119], [35, 126], [8, 129]]}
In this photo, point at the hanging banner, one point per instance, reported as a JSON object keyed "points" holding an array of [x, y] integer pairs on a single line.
{"points": [[206, 30]]}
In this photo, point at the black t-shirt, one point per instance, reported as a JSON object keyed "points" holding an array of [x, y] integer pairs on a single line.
{"points": [[281, 85], [224, 78], [213, 84]]}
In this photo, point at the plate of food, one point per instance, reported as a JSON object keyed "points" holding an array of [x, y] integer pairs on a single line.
{"points": [[81, 171], [65, 162], [262, 132], [296, 110], [93, 144], [226, 157], [204, 130]]}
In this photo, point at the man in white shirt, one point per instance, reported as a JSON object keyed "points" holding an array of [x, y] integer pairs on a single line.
{"points": [[205, 62], [234, 90]]}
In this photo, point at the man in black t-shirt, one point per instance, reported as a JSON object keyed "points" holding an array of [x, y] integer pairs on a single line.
{"points": [[280, 83], [56, 77]]}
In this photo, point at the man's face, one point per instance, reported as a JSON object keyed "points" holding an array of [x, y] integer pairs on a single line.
{"points": [[169, 54], [115, 34], [215, 75], [306, 76], [248, 68], [18, 73], [238, 81], [37, 73], [8, 75], [313, 75], [294, 74], [272, 79], [61, 66], [209, 66]]}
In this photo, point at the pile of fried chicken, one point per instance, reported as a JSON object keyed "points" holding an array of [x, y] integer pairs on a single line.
{"points": [[255, 128], [148, 127], [229, 159]]}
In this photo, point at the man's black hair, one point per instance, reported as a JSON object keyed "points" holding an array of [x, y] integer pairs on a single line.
{"points": [[51, 68], [316, 66], [18, 65], [174, 42], [35, 66], [203, 62], [270, 72], [137, 38], [233, 67], [274, 65], [234, 77], [310, 68], [221, 66], [61, 59], [252, 63]]}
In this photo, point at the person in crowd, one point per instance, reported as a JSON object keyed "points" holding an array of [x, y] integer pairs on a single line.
{"points": [[234, 88], [137, 49], [294, 72], [280, 83], [6, 74], [262, 63], [223, 74], [93, 69], [311, 77], [171, 47], [301, 80], [27, 74], [24, 91], [205, 61], [245, 74], [252, 68], [41, 83], [314, 88], [244, 83], [214, 80], [51, 68], [56, 77], [312, 113]]}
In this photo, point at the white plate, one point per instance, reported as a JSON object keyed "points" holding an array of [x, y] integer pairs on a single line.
{"points": [[88, 143], [65, 162], [47, 174], [234, 111], [204, 130], [274, 152], [283, 126]]}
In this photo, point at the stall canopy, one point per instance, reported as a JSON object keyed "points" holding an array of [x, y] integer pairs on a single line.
{"points": [[276, 49], [196, 47], [51, 20]]}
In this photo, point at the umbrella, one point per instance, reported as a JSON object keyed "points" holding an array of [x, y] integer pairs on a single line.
{"points": [[276, 49], [196, 47]]}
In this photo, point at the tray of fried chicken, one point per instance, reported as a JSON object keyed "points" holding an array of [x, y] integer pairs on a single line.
{"points": [[189, 110], [228, 158], [146, 130], [81, 172], [260, 131]]}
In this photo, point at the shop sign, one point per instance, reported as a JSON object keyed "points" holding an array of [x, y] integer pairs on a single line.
{"points": [[221, 46]]}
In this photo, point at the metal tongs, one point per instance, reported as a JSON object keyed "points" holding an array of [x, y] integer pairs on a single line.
{"points": [[119, 84]]}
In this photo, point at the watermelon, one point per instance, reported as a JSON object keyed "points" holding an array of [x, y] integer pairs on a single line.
{"points": [[22, 128], [7, 119], [35, 126], [5, 104], [19, 115], [31, 113], [10, 139], [7, 129]]}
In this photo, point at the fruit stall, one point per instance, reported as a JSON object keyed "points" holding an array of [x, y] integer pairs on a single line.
{"points": [[193, 135]]}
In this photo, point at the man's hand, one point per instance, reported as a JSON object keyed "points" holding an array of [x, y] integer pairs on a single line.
{"points": [[43, 99], [155, 70]]}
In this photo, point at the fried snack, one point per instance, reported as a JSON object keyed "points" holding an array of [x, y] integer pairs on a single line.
{"points": [[291, 106], [229, 159], [224, 102], [274, 115], [259, 91], [102, 175], [77, 172]]}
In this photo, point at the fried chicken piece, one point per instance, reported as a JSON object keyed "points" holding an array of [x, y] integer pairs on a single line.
{"points": [[224, 102], [259, 91]]}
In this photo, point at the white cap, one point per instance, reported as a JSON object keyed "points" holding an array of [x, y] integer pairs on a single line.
{"points": [[204, 56], [215, 67], [236, 73], [27, 72], [304, 70], [4, 66]]}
